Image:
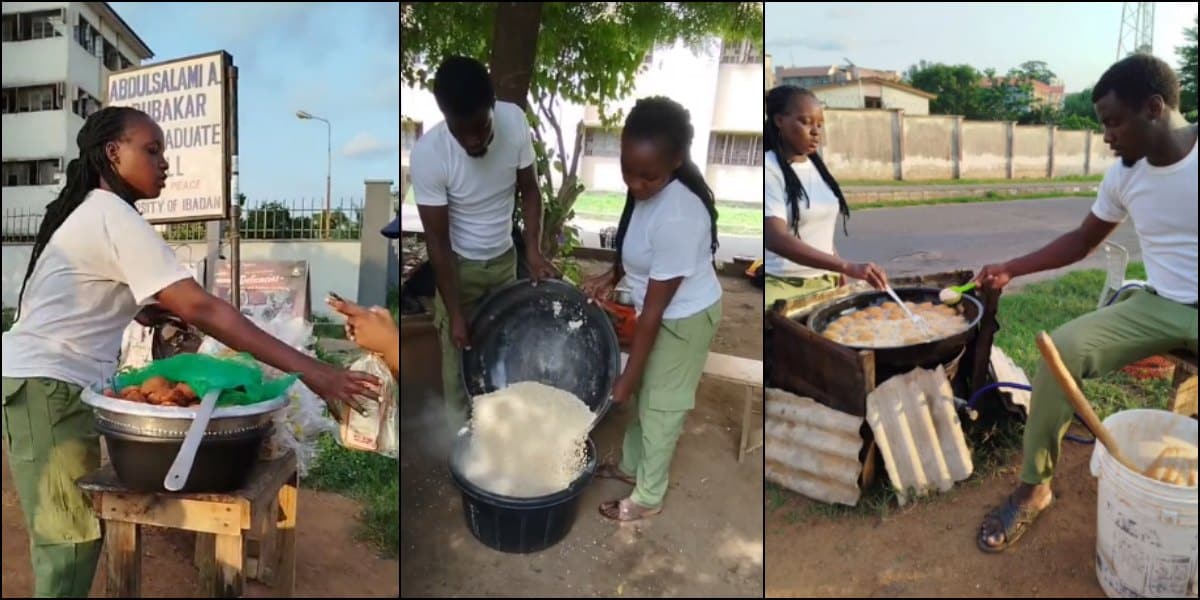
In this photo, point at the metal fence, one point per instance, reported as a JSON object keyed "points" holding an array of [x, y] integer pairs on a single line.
{"points": [[303, 219]]}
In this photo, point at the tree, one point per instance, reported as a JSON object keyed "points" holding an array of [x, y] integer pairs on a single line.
{"points": [[1036, 70], [1078, 112], [587, 53], [1187, 73], [1005, 98], [956, 87], [270, 221]]}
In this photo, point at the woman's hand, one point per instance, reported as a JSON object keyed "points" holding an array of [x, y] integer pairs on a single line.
{"points": [[869, 272], [600, 287]]}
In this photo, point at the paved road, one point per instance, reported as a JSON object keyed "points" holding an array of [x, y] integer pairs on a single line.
{"points": [[935, 238]]}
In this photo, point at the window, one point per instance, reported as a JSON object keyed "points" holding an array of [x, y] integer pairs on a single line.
{"points": [[33, 98], [872, 102], [10, 28], [84, 104], [601, 142], [21, 27], [112, 58], [31, 172], [410, 132], [125, 62], [740, 53], [88, 37], [737, 149]]}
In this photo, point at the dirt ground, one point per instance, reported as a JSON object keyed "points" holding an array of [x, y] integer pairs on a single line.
{"points": [[329, 562], [928, 549], [707, 542]]}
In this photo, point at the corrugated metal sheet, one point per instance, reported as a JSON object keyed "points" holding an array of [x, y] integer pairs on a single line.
{"points": [[812, 449], [1007, 371], [918, 433]]}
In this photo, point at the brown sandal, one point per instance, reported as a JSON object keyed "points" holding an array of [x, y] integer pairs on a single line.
{"points": [[626, 510], [612, 471], [1009, 519]]}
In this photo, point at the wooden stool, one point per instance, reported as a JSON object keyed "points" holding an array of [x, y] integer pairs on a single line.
{"points": [[264, 510]]}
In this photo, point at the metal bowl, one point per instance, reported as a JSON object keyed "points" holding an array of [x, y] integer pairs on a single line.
{"points": [[172, 423]]}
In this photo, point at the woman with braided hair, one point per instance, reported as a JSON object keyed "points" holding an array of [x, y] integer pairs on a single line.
{"points": [[666, 240], [801, 203], [96, 265]]}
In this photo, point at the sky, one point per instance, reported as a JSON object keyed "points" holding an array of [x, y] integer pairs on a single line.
{"points": [[1078, 41], [340, 62]]}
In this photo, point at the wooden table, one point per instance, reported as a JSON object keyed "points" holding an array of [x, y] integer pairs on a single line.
{"points": [[263, 510]]}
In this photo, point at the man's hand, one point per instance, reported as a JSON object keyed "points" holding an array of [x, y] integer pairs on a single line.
{"points": [[458, 332], [994, 276], [153, 315], [539, 267]]}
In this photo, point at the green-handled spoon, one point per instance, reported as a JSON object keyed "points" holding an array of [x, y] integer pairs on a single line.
{"points": [[953, 295]]}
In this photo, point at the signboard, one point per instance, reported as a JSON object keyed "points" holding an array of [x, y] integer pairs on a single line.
{"points": [[191, 99], [270, 288]]}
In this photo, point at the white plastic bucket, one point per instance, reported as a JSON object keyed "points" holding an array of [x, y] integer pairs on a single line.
{"points": [[1146, 530]]}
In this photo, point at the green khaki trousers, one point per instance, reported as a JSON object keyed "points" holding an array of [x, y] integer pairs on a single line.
{"points": [[52, 441], [1142, 324], [476, 280], [667, 393]]}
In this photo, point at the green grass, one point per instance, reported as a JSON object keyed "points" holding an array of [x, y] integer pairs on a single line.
{"points": [[733, 218], [369, 478], [1038, 307], [989, 197], [952, 182]]}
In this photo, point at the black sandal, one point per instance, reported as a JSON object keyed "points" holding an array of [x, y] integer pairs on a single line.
{"points": [[1014, 521]]}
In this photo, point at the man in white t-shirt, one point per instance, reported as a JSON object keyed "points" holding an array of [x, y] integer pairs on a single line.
{"points": [[1153, 184], [465, 172]]}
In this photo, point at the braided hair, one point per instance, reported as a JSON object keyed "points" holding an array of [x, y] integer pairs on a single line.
{"points": [[83, 175], [661, 119], [777, 101]]}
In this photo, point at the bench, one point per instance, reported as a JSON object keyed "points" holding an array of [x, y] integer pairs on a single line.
{"points": [[263, 511], [747, 373]]}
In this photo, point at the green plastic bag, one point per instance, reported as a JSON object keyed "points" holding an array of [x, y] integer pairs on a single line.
{"points": [[239, 377]]}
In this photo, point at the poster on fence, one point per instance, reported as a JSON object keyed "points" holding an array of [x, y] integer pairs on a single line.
{"points": [[270, 288]]}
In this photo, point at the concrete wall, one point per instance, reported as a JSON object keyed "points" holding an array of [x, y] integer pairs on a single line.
{"points": [[859, 144], [733, 183], [1101, 156], [985, 150], [929, 147], [1070, 152], [886, 145], [1030, 154]]}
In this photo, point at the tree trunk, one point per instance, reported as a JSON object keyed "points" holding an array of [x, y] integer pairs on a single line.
{"points": [[514, 49]]}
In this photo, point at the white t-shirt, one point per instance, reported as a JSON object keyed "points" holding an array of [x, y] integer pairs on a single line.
{"points": [[477, 191], [818, 220], [670, 236], [100, 267], [1162, 203]]}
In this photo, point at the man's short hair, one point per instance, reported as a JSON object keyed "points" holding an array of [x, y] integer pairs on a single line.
{"points": [[463, 87], [1136, 78]]}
